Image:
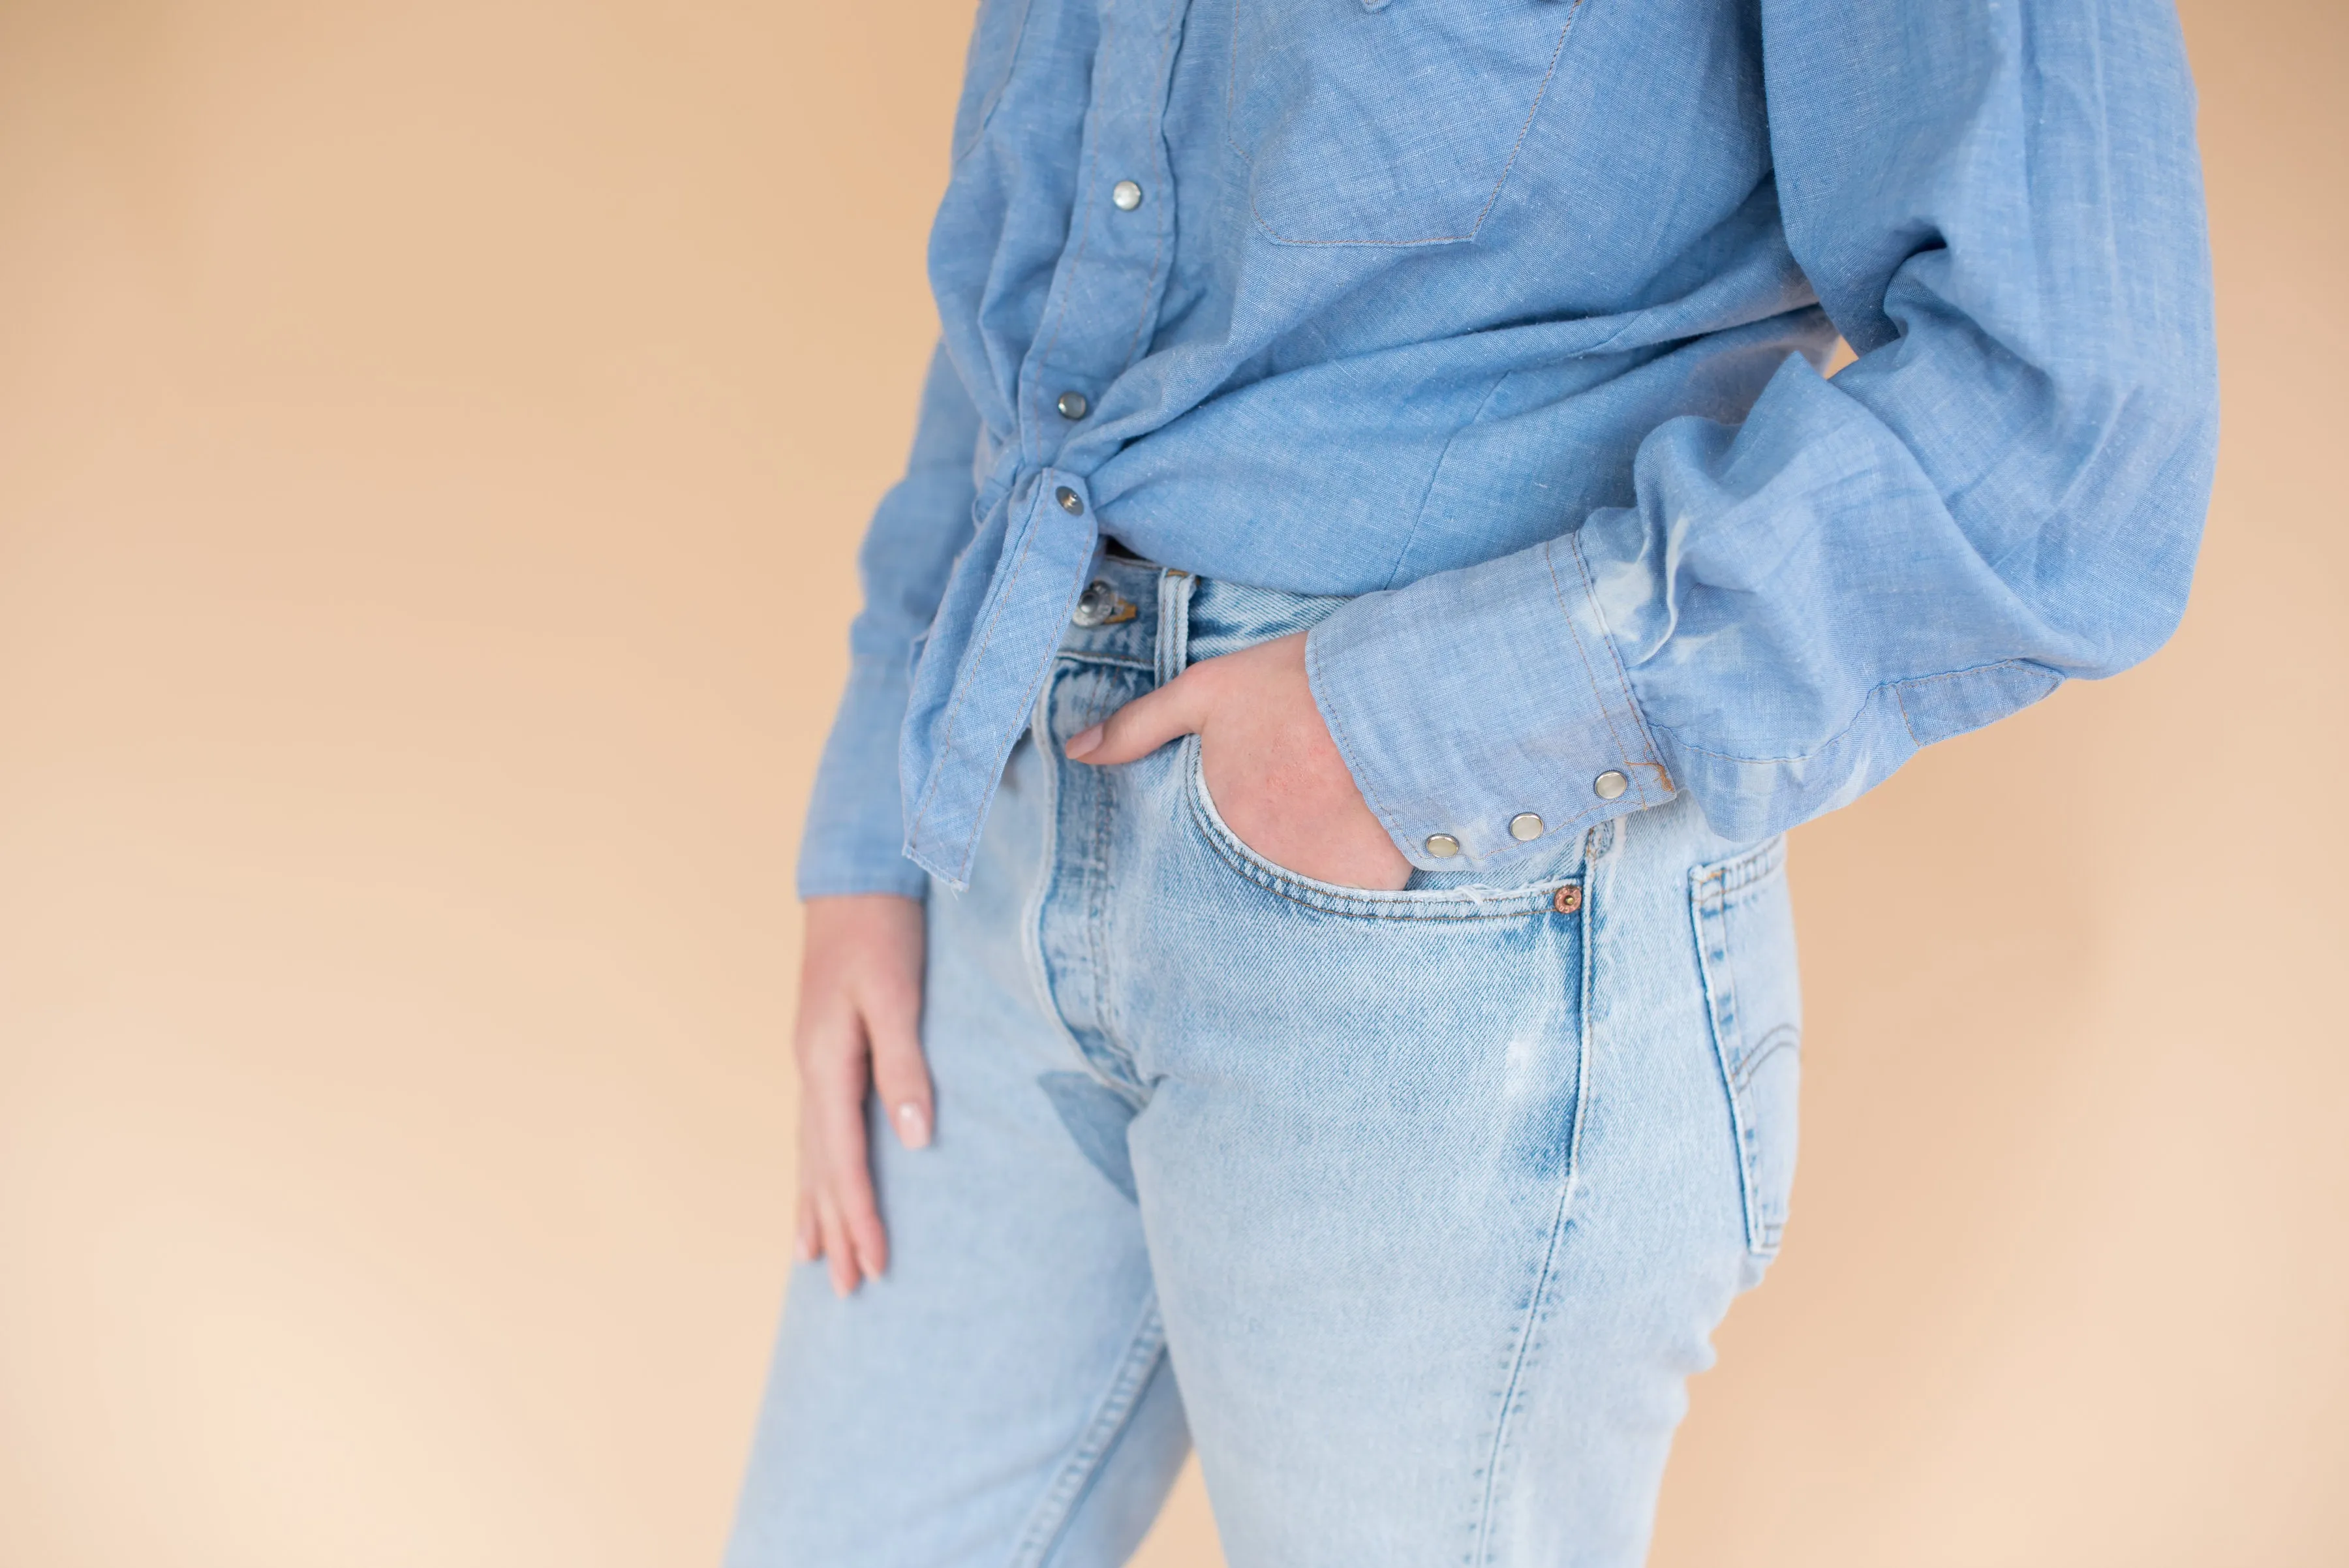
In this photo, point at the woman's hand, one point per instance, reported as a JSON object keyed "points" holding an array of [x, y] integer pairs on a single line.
{"points": [[1276, 776], [859, 1029]]}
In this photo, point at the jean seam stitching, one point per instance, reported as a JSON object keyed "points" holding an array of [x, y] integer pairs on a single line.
{"points": [[1562, 1220], [1069, 1485], [1713, 889], [1097, 914], [1032, 912]]}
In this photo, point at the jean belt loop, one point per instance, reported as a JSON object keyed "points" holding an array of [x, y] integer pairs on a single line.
{"points": [[1174, 622]]}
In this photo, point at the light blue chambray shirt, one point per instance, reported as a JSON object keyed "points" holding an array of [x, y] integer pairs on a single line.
{"points": [[1508, 316]]}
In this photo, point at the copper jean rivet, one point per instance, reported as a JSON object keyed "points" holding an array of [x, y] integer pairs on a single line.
{"points": [[1568, 900]]}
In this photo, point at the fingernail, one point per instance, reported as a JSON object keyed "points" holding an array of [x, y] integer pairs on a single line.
{"points": [[913, 1124], [1083, 741], [803, 1250]]}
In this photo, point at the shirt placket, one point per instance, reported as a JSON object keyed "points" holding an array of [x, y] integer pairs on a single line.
{"points": [[1111, 278], [1042, 533]]}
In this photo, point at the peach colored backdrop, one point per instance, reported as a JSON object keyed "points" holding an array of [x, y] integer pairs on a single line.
{"points": [[433, 438]]}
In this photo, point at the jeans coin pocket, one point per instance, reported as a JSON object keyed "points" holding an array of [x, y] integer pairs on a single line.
{"points": [[1746, 947], [1386, 123]]}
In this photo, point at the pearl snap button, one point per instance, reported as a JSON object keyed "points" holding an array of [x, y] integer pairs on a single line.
{"points": [[1443, 846], [1075, 505], [1126, 194], [1524, 827], [1072, 405], [1610, 784]]}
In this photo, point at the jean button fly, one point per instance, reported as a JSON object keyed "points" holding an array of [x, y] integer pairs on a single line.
{"points": [[1099, 606]]}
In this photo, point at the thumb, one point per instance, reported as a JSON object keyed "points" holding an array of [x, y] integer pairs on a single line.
{"points": [[1142, 725]]}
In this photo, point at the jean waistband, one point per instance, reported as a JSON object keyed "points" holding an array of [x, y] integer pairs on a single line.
{"points": [[1138, 612]]}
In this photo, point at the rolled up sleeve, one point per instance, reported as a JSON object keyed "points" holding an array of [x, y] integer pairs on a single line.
{"points": [[1485, 707], [2000, 210]]}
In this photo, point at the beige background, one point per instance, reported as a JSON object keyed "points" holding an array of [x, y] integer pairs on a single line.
{"points": [[433, 438]]}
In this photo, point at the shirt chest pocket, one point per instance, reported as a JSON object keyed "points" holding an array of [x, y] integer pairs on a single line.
{"points": [[1386, 122]]}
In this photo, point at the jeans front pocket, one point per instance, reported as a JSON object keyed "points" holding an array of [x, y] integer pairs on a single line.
{"points": [[1558, 895], [1386, 122], [1746, 947]]}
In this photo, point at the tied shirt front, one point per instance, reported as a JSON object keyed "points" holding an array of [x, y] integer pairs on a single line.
{"points": [[1506, 319]]}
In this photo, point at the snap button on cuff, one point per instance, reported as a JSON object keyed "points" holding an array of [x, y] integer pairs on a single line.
{"points": [[1072, 406], [1075, 505], [1608, 785], [1443, 846], [1524, 827]]}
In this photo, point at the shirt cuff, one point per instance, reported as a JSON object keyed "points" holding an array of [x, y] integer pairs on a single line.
{"points": [[1484, 711], [856, 836]]}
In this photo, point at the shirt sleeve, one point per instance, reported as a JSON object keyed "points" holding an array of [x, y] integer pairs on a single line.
{"points": [[856, 836], [2001, 209]]}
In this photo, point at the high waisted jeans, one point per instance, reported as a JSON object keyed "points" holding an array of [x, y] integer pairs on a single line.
{"points": [[1413, 1210]]}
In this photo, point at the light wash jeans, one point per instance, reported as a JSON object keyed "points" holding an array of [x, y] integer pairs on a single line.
{"points": [[1414, 1210]]}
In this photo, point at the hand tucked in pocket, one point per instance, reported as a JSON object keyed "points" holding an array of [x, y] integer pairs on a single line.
{"points": [[1276, 776]]}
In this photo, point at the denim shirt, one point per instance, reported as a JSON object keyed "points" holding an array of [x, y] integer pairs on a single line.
{"points": [[1508, 319]]}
